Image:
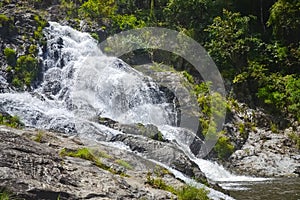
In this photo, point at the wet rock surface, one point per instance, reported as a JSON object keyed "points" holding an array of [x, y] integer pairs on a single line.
{"points": [[178, 89], [165, 153]]}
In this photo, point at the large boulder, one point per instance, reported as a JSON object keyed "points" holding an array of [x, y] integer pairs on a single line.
{"points": [[266, 154], [166, 153]]}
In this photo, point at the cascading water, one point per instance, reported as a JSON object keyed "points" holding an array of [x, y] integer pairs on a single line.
{"points": [[80, 84]]}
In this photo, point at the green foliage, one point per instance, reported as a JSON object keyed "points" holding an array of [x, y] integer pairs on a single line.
{"points": [[223, 147], [83, 153], [210, 112], [255, 71], [242, 128], [192, 193], [86, 154], [245, 127], [11, 121], [95, 36], [282, 93], [41, 23], [160, 171], [274, 128], [158, 136], [126, 22], [229, 40], [69, 7], [296, 139], [124, 164], [103, 154], [191, 15], [3, 19], [186, 192], [188, 77], [293, 95], [158, 183], [39, 136], [25, 71], [97, 8], [33, 49], [10, 55], [4, 195], [285, 20]]}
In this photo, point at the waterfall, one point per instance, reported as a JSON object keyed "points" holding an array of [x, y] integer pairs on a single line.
{"points": [[212, 170], [81, 84]]}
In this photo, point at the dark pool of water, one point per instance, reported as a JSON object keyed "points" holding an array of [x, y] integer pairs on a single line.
{"points": [[275, 189]]}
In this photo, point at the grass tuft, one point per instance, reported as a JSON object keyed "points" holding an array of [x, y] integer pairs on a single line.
{"points": [[86, 154], [124, 164]]}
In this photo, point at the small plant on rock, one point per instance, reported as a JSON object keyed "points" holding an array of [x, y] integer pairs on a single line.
{"points": [[10, 55], [11, 121], [124, 164]]}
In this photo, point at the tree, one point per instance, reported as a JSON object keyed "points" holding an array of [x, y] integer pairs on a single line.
{"points": [[285, 20], [229, 40], [189, 15], [98, 8]]}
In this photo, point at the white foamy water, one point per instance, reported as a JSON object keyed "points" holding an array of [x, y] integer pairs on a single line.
{"points": [[212, 170], [213, 194]]}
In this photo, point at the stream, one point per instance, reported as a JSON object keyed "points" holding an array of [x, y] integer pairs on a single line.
{"points": [[80, 84]]}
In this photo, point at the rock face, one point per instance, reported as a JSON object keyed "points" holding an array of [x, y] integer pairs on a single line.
{"points": [[165, 153], [16, 33], [177, 86], [148, 130], [266, 154], [33, 170], [147, 139]]}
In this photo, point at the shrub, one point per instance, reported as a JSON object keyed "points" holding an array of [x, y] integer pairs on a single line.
{"points": [[97, 8], [274, 128], [192, 193], [95, 36], [25, 71], [38, 33], [33, 49], [282, 94], [189, 77], [126, 22], [11, 121], [69, 7], [223, 147], [214, 110], [10, 55]]}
